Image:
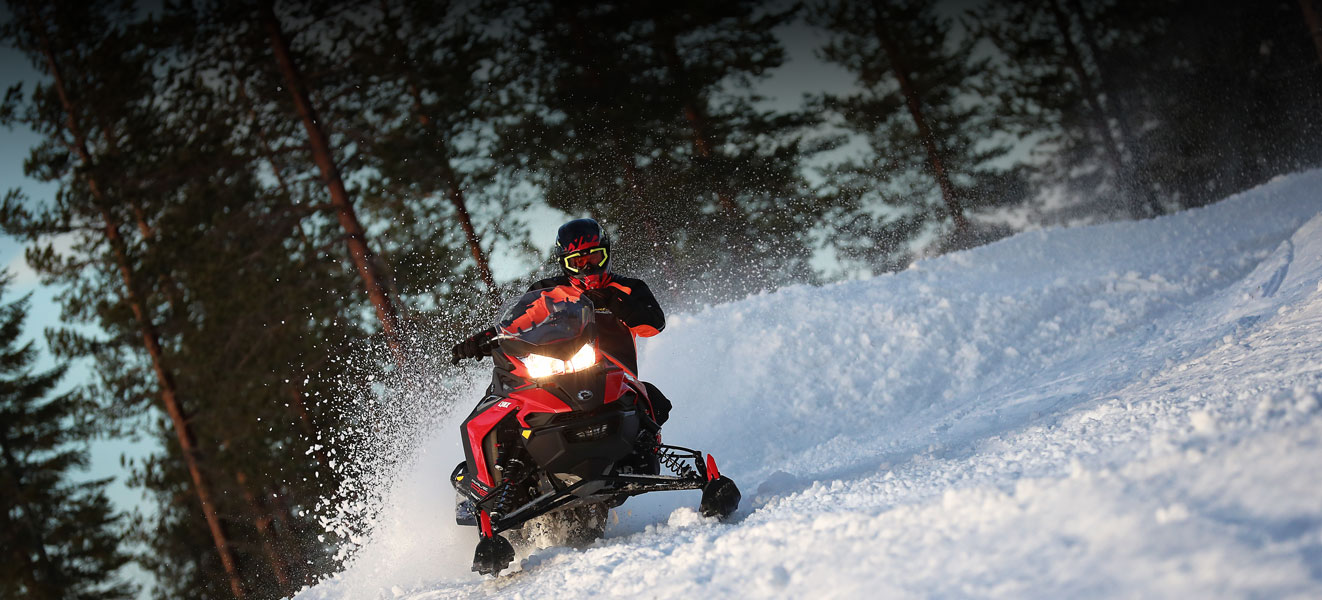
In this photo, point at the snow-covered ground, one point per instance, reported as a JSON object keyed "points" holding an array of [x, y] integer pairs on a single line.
{"points": [[1126, 410]]}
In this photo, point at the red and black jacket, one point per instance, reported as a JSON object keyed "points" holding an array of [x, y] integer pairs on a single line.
{"points": [[637, 307]]}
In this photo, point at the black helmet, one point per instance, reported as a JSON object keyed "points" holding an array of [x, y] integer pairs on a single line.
{"points": [[582, 249]]}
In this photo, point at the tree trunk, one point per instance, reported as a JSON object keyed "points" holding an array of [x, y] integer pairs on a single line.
{"points": [[262, 521], [1116, 104], [456, 196], [697, 120], [935, 162], [300, 409], [282, 515], [452, 189], [150, 338], [183, 430], [1314, 23], [1075, 63], [355, 236]]}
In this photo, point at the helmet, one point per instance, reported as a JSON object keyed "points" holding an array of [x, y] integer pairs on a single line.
{"points": [[582, 249]]}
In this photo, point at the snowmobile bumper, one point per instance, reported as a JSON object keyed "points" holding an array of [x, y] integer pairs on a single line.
{"points": [[691, 473]]}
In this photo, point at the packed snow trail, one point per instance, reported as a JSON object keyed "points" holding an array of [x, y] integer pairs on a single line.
{"points": [[1124, 410]]}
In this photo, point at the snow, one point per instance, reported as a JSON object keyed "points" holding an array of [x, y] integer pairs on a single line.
{"points": [[1121, 410]]}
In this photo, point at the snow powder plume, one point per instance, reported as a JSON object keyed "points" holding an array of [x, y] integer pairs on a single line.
{"points": [[393, 456], [1122, 410]]}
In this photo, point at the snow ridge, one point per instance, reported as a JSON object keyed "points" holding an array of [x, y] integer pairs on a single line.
{"points": [[1130, 409]]}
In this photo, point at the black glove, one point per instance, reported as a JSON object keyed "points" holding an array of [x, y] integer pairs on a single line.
{"points": [[610, 299], [599, 297], [475, 347]]}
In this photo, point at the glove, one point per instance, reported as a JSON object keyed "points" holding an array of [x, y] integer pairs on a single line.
{"points": [[610, 299], [600, 297], [475, 347]]}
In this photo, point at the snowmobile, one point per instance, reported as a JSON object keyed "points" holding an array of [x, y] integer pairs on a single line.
{"points": [[567, 431]]}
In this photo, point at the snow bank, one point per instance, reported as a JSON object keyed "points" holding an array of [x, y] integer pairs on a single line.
{"points": [[1129, 409]]}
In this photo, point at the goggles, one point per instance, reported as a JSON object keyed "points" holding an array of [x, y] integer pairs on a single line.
{"points": [[588, 260]]}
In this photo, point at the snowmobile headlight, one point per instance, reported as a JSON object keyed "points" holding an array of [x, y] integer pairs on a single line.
{"points": [[544, 366]]}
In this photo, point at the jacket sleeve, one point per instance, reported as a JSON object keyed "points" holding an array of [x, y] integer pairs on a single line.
{"points": [[640, 310], [485, 339]]}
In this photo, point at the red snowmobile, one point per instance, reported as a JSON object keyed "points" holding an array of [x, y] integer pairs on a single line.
{"points": [[566, 431]]}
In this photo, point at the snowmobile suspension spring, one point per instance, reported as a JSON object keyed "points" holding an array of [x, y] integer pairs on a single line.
{"points": [[503, 500], [675, 463]]}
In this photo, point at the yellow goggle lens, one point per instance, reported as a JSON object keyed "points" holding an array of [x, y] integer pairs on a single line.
{"points": [[576, 262]]}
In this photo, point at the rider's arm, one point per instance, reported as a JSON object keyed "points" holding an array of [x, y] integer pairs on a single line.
{"points": [[475, 347], [481, 343], [638, 308]]}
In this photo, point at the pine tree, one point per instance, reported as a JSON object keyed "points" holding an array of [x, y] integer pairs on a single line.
{"points": [[233, 283], [1061, 88], [933, 150], [262, 320], [323, 154], [1312, 18], [98, 100], [1236, 102], [642, 116], [425, 133], [60, 537], [288, 78], [422, 123], [743, 162], [266, 305]]}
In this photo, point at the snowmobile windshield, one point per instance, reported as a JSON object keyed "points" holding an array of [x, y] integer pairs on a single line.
{"points": [[544, 320]]}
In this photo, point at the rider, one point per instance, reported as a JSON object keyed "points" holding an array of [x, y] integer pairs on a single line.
{"points": [[582, 249]]}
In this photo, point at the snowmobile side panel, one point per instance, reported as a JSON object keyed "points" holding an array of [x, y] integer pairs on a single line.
{"points": [[477, 428], [538, 400]]}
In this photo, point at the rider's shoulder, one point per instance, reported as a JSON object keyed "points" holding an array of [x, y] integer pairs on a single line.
{"points": [[627, 281], [631, 285]]}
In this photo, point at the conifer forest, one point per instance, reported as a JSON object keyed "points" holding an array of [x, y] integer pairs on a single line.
{"points": [[263, 219]]}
